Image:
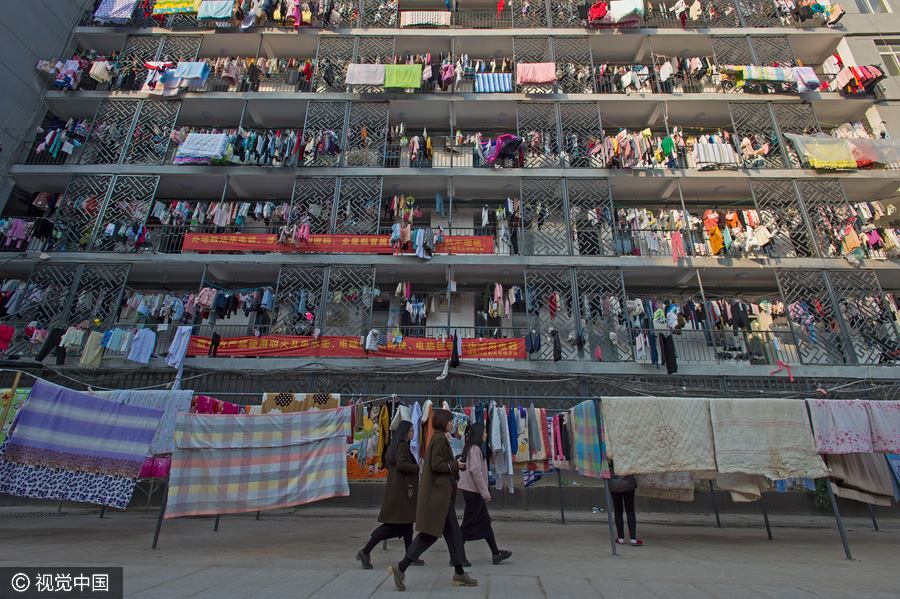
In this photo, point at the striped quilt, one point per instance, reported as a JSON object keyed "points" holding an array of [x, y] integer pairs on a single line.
{"points": [[493, 82], [228, 464]]}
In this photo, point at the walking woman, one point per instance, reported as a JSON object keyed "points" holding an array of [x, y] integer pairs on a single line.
{"points": [[435, 513], [474, 484], [398, 508]]}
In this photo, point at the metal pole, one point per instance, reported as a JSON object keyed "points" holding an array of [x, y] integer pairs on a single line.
{"points": [[712, 495], [257, 515], [216, 527], [562, 509], [159, 519], [762, 499], [837, 517], [102, 511], [872, 514]]}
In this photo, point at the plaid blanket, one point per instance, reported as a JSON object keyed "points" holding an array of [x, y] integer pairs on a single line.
{"points": [[590, 447], [228, 464], [171, 402]]}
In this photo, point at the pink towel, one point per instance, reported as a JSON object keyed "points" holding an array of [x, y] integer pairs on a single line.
{"points": [[536, 72]]}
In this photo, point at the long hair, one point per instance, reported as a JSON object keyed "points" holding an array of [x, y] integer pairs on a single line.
{"points": [[475, 438], [398, 438]]}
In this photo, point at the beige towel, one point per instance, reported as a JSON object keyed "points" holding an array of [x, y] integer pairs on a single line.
{"points": [[771, 437], [677, 486], [743, 487], [645, 435], [93, 351], [862, 477]]}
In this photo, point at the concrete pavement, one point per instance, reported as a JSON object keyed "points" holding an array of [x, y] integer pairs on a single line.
{"points": [[309, 553]]}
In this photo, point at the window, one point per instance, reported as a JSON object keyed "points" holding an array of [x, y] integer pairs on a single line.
{"points": [[890, 54], [868, 7]]}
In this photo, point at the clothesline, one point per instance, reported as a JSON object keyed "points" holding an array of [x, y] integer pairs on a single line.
{"points": [[679, 58]]}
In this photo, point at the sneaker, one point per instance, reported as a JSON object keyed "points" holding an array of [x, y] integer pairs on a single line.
{"points": [[418, 562], [621, 541], [364, 559], [399, 577], [464, 580], [499, 557], [637, 542]]}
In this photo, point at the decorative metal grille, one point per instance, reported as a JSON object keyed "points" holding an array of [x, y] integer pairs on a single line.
{"points": [[872, 328], [544, 218], [773, 49], [185, 20], [827, 209], [564, 15], [152, 134], [780, 211], [373, 50], [46, 295], [813, 317], [314, 197], [181, 48], [591, 216], [760, 13], [731, 49], [530, 50], [600, 291], [128, 204], [380, 14], [358, 206], [366, 138], [77, 213], [322, 117], [137, 50], [580, 125], [721, 13], [348, 303], [300, 293], [574, 67], [99, 293], [108, 137], [753, 120], [550, 303], [537, 127], [795, 118], [527, 14], [335, 52]]}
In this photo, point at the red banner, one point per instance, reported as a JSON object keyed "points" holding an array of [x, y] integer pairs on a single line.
{"points": [[427, 348], [353, 244]]}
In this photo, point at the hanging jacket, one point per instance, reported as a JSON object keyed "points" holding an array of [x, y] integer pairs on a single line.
{"points": [[557, 346]]}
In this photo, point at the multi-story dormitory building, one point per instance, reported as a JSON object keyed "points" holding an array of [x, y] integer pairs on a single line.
{"points": [[578, 192]]}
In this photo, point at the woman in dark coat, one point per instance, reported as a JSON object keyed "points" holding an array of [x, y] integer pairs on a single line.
{"points": [[398, 507], [435, 513], [474, 485]]}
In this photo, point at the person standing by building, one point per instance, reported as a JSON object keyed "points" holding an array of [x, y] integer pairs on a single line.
{"points": [[435, 512], [473, 482], [622, 490], [398, 507]]}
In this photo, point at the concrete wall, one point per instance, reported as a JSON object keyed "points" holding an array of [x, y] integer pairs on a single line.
{"points": [[30, 30]]}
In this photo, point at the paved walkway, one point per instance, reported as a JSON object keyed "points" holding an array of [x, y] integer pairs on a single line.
{"points": [[284, 555]]}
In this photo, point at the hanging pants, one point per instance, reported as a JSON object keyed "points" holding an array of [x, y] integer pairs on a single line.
{"points": [[668, 349], [51, 343], [452, 536]]}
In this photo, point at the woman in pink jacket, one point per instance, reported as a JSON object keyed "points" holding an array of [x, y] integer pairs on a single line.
{"points": [[473, 482]]}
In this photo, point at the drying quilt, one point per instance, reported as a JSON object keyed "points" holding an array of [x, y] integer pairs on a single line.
{"points": [[73, 446], [228, 464]]}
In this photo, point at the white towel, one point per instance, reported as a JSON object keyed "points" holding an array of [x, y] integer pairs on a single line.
{"points": [[365, 74]]}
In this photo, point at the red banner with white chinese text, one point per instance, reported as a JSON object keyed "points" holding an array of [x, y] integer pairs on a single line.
{"points": [[352, 244], [425, 348]]}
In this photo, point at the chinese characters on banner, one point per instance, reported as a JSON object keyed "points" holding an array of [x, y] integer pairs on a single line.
{"points": [[348, 347], [352, 244]]}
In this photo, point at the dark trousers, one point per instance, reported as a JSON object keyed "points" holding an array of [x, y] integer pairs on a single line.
{"points": [[390, 531], [668, 348], [624, 502], [452, 536], [51, 343]]}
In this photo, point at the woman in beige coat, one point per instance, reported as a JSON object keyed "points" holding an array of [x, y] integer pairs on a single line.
{"points": [[435, 513]]}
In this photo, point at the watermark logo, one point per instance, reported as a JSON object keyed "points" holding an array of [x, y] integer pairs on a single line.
{"points": [[61, 583]]}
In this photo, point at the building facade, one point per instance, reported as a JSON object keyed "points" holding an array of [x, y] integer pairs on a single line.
{"points": [[623, 188]]}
